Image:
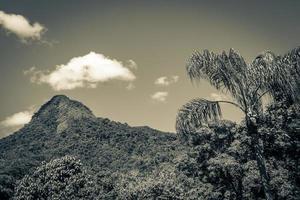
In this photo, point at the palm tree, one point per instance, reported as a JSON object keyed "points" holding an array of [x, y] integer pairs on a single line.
{"points": [[275, 76]]}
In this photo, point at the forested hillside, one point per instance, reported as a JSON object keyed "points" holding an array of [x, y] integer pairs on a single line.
{"points": [[66, 127], [114, 161]]}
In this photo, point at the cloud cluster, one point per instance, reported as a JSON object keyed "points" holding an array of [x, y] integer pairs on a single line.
{"points": [[85, 71], [15, 121], [20, 26], [165, 81], [18, 119], [160, 96]]}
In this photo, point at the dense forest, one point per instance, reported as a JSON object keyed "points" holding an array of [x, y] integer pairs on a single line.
{"points": [[65, 152]]}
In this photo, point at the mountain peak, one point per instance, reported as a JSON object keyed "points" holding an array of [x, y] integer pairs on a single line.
{"points": [[60, 110], [60, 97]]}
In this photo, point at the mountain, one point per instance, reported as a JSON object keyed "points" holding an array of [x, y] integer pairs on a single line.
{"points": [[67, 127], [62, 111], [122, 162]]}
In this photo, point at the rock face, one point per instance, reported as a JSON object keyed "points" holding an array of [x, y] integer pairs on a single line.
{"points": [[61, 111]]}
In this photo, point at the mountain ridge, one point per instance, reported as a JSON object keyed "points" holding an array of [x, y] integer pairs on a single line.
{"points": [[136, 161], [67, 127]]}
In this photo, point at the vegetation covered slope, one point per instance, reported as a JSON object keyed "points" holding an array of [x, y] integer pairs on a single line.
{"points": [[66, 127], [122, 162]]}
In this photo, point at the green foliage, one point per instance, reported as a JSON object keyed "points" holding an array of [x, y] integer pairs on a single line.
{"points": [[247, 84], [121, 162], [158, 185], [222, 157], [7, 185], [105, 147], [192, 115], [59, 179]]}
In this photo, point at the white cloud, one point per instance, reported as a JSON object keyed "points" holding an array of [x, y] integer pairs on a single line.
{"points": [[131, 64], [18, 119], [160, 96], [14, 122], [20, 26], [165, 81], [85, 71]]}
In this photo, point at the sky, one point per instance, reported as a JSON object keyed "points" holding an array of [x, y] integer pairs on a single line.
{"points": [[126, 60]]}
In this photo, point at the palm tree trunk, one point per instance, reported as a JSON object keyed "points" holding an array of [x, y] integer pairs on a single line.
{"points": [[260, 160]]}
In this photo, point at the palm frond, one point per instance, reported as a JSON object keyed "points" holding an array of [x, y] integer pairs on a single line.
{"points": [[225, 72], [196, 112], [273, 75], [291, 60], [238, 63]]}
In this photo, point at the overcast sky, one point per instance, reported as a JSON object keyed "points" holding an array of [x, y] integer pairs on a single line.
{"points": [[126, 60]]}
